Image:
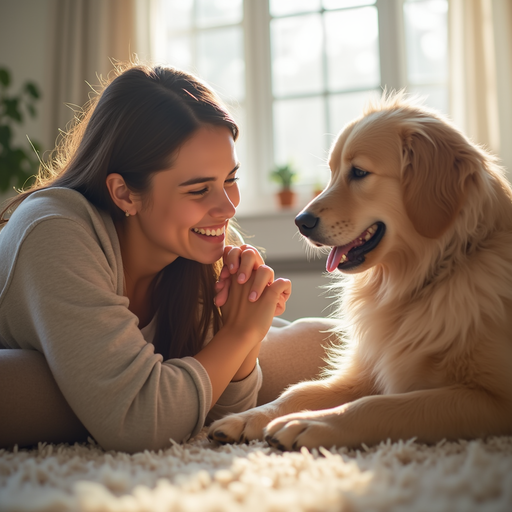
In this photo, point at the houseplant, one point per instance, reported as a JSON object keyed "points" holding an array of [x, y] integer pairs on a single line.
{"points": [[285, 175], [18, 164]]}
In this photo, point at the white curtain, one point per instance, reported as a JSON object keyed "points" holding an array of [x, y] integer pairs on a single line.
{"points": [[480, 38], [85, 36]]}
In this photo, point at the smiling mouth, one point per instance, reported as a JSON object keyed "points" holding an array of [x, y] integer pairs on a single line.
{"points": [[209, 231], [351, 255]]}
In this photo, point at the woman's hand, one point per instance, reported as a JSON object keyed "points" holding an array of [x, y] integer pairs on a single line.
{"points": [[243, 261], [246, 315], [232, 352]]}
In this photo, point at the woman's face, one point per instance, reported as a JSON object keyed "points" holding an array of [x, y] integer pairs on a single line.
{"points": [[188, 206]]}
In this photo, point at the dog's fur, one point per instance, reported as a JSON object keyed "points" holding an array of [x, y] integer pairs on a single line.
{"points": [[427, 317]]}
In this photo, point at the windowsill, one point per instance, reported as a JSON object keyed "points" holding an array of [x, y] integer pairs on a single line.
{"points": [[267, 205]]}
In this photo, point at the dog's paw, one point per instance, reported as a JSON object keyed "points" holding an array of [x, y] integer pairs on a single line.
{"points": [[309, 429], [242, 427]]}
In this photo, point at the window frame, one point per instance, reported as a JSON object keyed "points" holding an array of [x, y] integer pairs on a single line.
{"points": [[258, 191]]}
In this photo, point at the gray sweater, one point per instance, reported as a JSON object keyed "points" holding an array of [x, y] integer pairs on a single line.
{"points": [[61, 293]]}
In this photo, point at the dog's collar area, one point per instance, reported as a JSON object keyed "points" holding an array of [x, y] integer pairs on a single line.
{"points": [[348, 256]]}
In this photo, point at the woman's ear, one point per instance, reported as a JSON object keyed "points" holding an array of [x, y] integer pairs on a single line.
{"points": [[121, 194], [437, 162]]}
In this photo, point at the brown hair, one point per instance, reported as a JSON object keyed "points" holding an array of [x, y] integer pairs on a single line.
{"points": [[134, 127]]}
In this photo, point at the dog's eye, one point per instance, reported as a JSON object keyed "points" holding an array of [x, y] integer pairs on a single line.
{"points": [[357, 174]]}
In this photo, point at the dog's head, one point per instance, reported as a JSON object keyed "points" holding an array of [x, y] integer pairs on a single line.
{"points": [[399, 174]]}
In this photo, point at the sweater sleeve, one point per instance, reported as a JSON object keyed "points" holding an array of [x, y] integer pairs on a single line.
{"points": [[62, 293], [238, 396]]}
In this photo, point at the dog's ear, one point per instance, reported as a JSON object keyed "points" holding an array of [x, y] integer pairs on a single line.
{"points": [[437, 162]]}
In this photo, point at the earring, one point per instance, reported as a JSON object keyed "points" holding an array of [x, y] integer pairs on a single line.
{"points": [[126, 213]]}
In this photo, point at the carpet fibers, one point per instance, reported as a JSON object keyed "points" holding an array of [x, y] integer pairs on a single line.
{"points": [[200, 476]]}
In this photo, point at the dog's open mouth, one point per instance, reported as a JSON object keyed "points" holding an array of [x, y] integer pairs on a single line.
{"points": [[352, 254]]}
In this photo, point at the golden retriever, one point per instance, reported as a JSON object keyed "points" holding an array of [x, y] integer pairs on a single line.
{"points": [[419, 221]]}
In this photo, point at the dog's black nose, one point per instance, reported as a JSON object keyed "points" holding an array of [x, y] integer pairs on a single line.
{"points": [[306, 222]]}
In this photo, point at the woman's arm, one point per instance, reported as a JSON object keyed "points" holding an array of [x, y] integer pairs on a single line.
{"points": [[245, 324], [242, 261], [64, 299], [32, 407]]}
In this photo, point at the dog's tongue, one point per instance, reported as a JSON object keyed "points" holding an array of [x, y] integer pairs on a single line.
{"points": [[334, 258]]}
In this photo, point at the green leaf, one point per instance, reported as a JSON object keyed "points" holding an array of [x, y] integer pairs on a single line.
{"points": [[12, 110], [5, 135], [5, 177], [33, 90], [31, 110], [17, 157], [5, 77]]}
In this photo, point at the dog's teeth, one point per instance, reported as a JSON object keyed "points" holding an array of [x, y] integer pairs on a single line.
{"points": [[368, 236]]}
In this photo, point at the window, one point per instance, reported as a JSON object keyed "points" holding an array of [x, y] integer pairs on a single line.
{"points": [[293, 72]]}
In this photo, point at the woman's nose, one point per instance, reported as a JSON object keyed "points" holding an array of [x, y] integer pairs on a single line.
{"points": [[224, 206]]}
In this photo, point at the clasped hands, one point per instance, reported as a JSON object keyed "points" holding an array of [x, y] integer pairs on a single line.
{"points": [[245, 264]]}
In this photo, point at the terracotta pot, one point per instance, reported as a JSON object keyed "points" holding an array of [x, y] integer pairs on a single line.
{"points": [[286, 198]]}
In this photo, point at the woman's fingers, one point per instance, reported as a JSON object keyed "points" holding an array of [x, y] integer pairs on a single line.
{"points": [[283, 289], [242, 261], [231, 258], [222, 290], [263, 277], [250, 260], [224, 273]]}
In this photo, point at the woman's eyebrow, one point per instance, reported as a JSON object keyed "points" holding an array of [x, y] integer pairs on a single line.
{"points": [[204, 179]]}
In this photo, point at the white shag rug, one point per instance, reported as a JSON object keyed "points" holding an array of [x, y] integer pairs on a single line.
{"points": [[200, 476]]}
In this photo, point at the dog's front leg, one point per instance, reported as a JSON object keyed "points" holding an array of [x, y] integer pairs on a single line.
{"points": [[309, 395], [428, 415]]}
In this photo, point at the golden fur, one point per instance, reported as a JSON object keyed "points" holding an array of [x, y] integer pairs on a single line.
{"points": [[427, 317]]}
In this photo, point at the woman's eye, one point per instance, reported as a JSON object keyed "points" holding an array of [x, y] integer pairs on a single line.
{"points": [[230, 181], [201, 192], [357, 173]]}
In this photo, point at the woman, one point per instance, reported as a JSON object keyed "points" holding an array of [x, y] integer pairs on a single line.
{"points": [[110, 268]]}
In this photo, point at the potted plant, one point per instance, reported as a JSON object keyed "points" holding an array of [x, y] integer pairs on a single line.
{"points": [[285, 175], [18, 165]]}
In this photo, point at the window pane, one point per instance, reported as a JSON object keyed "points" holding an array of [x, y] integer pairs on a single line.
{"points": [[296, 55], [299, 128], [352, 48], [344, 108], [220, 61], [426, 40], [435, 96], [340, 4], [177, 15], [284, 7], [218, 12], [179, 52]]}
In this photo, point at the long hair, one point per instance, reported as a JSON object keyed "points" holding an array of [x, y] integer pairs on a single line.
{"points": [[134, 128]]}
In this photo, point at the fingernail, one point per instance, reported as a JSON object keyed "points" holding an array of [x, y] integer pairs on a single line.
{"points": [[241, 278], [253, 296], [231, 266]]}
